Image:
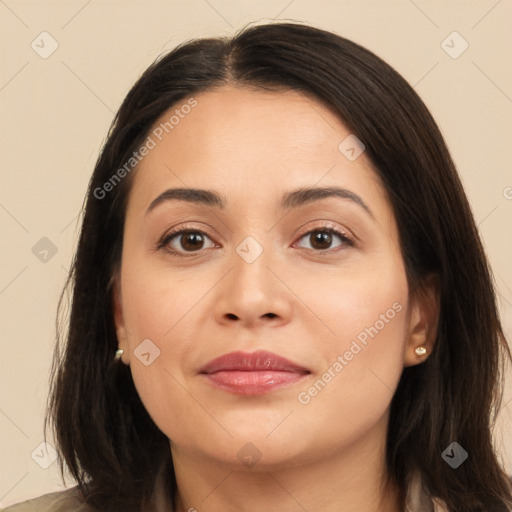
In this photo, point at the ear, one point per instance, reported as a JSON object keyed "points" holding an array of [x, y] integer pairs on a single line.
{"points": [[117, 307], [424, 311]]}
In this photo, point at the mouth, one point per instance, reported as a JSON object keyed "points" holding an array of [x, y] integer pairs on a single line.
{"points": [[253, 373]]}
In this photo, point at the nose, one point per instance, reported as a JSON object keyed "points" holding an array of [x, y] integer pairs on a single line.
{"points": [[253, 294]]}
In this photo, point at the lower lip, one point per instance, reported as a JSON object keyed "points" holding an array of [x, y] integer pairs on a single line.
{"points": [[253, 382]]}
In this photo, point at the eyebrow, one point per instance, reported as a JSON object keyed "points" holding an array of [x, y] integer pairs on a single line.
{"points": [[290, 200]]}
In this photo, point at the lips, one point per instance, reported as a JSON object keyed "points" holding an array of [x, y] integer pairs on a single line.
{"points": [[252, 373]]}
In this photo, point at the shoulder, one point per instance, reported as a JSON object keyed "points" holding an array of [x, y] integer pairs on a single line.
{"points": [[62, 501]]}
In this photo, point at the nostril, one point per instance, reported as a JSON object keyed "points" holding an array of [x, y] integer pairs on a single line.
{"points": [[270, 315], [231, 316]]}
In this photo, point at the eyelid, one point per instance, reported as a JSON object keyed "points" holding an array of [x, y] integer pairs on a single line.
{"points": [[315, 225], [178, 230], [331, 227]]}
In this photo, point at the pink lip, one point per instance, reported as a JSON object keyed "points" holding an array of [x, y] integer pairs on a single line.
{"points": [[253, 373]]}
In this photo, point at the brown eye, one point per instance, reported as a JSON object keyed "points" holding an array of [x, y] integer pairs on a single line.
{"points": [[186, 241], [322, 239], [191, 241]]}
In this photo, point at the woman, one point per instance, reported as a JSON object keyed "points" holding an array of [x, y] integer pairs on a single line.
{"points": [[280, 298]]}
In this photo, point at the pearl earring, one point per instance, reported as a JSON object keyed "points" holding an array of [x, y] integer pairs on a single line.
{"points": [[420, 351], [119, 353]]}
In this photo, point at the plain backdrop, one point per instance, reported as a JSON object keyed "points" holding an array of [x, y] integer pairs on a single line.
{"points": [[67, 65]]}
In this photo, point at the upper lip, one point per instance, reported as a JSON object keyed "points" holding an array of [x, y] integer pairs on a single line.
{"points": [[251, 361]]}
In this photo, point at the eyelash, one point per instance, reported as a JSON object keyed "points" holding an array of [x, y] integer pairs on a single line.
{"points": [[184, 229]]}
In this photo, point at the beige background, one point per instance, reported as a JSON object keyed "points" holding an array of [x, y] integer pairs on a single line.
{"points": [[55, 113]]}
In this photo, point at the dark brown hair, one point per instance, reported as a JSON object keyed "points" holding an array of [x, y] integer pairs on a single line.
{"points": [[105, 436]]}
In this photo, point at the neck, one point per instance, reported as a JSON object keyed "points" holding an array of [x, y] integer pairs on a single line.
{"points": [[353, 479]]}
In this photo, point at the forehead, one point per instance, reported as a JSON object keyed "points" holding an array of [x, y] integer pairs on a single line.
{"points": [[250, 143]]}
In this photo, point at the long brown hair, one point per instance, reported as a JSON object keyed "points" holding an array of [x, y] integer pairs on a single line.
{"points": [[105, 436]]}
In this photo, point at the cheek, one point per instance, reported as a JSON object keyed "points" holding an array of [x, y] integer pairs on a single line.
{"points": [[160, 312], [360, 301], [159, 303], [364, 359], [364, 315], [152, 316]]}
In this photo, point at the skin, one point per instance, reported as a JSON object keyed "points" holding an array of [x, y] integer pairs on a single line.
{"points": [[252, 146]]}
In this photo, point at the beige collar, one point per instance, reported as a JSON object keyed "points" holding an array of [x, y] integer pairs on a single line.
{"points": [[418, 499]]}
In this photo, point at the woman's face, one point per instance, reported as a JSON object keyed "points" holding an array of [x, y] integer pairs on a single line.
{"points": [[264, 271]]}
